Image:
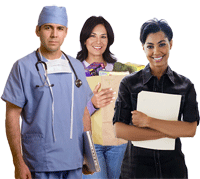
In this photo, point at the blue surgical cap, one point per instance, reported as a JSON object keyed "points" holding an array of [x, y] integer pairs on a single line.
{"points": [[53, 14]]}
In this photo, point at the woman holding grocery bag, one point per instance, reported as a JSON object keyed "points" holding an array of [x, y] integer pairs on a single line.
{"points": [[96, 38]]}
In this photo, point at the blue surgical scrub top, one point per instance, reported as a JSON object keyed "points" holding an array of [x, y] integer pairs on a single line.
{"points": [[41, 150]]}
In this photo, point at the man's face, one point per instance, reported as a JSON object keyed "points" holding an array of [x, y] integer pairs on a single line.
{"points": [[51, 36]]}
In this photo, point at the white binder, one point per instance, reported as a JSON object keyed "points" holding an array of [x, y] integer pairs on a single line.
{"points": [[161, 106]]}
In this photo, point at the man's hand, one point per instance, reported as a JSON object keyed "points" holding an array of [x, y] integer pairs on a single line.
{"points": [[22, 171], [86, 171], [103, 97]]}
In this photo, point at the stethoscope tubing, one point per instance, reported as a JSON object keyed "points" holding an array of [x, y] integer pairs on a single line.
{"points": [[78, 82]]}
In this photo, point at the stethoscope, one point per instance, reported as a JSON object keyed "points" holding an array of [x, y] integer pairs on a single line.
{"points": [[46, 82], [78, 82]]}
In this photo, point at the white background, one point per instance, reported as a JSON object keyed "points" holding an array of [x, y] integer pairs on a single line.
{"points": [[18, 20]]}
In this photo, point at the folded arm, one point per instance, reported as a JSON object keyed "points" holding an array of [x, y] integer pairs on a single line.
{"points": [[134, 133], [172, 128]]}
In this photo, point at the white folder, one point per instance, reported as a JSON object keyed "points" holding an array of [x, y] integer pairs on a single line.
{"points": [[160, 106]]}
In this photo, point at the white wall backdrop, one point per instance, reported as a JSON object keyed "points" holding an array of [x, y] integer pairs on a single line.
{"points": [[18, 20]]}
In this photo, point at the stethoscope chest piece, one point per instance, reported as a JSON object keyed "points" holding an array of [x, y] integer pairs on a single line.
{"points": [[78, 83]]}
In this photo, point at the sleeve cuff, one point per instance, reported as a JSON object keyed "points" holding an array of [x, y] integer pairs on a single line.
{"points": [[91, 107]]}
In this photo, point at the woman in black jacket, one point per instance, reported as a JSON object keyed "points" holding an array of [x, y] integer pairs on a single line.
{"points": [[156, 38]]}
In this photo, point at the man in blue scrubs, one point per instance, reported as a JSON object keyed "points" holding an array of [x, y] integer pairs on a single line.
{"points": [[51, 106]]}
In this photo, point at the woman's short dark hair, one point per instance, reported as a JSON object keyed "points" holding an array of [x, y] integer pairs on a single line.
{"points": [[86, 31], [153, 26]]}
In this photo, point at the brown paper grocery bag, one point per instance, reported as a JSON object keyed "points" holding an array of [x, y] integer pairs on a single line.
{"points": [[102, 125]]}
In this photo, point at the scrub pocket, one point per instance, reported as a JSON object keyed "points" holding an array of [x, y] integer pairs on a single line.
{"points": [[33, 146]]}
